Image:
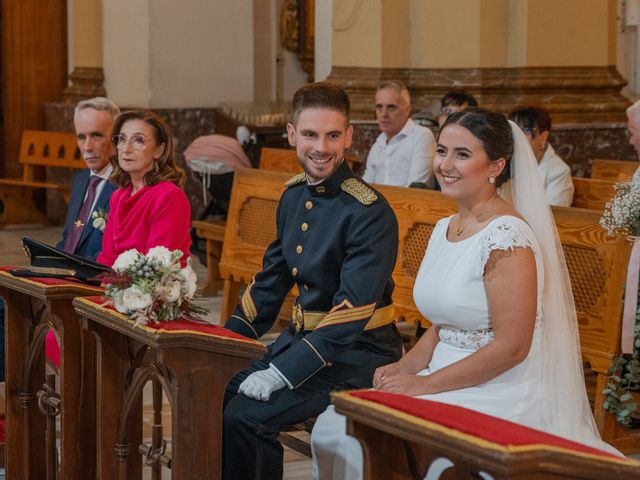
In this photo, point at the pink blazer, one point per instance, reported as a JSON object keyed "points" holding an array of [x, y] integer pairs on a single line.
{"points": [[159, 215]]}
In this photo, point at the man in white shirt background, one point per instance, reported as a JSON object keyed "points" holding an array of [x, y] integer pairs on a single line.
{"points": [[403, 153]]}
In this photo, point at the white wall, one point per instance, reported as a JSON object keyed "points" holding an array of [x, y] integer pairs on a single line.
{"points": [[126, 52], [323, 35], [192, 53]]}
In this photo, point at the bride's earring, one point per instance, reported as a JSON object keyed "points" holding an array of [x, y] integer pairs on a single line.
{"points": [[492, 180]]}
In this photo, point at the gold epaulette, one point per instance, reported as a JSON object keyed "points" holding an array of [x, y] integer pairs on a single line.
{"points": [[298, 179], [359, 190]]}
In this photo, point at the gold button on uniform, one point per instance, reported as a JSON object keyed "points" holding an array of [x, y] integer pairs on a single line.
{"points": [[309, 204], [306, 287], [299, 249], [304, 227], [320, 189], [294, 271]]}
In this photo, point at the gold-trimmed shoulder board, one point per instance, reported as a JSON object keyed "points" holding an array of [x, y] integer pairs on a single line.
{"points": [[359, 191], [298, 179]]}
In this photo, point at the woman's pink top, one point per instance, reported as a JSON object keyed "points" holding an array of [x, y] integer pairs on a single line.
{"points": [[154, 216]]}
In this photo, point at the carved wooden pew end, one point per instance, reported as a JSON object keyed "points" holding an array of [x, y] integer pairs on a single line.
{"points": [[414, 433], [190, 361]]}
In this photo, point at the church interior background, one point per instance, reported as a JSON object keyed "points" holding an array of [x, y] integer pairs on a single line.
{"points": [[208, 66]]}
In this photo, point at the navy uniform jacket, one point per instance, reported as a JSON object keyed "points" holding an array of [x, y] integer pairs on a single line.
{"points": [[90, 243], [338, 242]]}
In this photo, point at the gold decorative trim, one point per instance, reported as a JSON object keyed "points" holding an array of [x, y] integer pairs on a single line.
{"points": [[248, 324], [53, 271], [315, 350], [248, 305], [359, 191], [348, 315], [297, 180]]}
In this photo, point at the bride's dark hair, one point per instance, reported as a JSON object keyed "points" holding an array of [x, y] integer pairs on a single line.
{"points": [[492, 129]]}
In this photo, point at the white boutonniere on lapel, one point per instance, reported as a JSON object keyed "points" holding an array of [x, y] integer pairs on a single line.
{"points": [[99, 219]]}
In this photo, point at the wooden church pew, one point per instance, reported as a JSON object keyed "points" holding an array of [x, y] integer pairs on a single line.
{"points": [[418, 436], [596, 263], [592, 194], [613, 170]]}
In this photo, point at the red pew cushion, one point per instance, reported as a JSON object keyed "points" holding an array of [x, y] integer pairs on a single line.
{"points": [[476, 424]]}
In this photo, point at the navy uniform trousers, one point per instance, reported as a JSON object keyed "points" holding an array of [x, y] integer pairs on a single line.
{"points": [[337, 241]]}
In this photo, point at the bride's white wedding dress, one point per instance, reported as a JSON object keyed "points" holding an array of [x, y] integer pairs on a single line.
{"points": [[450, 292]]}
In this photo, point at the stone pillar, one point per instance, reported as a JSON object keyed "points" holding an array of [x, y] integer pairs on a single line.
{"points": [[87, 77], [555, 53]]}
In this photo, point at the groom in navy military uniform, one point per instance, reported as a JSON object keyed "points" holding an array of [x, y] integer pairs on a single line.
{"points": [[337, 240], [91, 189]]}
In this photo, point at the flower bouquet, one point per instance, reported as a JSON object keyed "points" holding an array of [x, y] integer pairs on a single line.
{"points": [[152, 287], [622, 215]]}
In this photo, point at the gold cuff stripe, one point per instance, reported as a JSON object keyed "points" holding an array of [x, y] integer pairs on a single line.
{"points": [[248, 305], [246, 323], [315, 351], [467, 437]]}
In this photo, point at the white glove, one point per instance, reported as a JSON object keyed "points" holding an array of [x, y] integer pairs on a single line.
{"points": [[261, 384]]}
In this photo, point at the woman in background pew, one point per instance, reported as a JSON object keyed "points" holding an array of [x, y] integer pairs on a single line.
{"points": [[504, 339], [149, 209]]}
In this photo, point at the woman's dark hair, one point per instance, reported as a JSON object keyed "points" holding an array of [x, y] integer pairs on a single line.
{"points": [[458, 99], [531, 117], [164, 168], [492, 129]]}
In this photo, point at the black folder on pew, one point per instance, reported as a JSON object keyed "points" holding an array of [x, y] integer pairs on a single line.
{"points": [[49, 262]]}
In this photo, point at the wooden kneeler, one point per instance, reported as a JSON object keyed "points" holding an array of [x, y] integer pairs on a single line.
{"points": [[191, 362], [414, 433]]}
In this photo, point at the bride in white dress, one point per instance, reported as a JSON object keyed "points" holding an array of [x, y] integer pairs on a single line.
{"points": [[504, 339]]}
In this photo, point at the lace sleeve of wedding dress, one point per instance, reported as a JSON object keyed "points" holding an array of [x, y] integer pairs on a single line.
{"points": [[505, 233]]}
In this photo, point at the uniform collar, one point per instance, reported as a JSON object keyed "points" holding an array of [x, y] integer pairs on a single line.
{"points": [[332, 184]]}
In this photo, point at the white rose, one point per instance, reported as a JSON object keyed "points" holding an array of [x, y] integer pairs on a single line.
{"points": [[117, 302], [99, 223], [125, 260], [134, 299], [189, 284], [169, 292], [161, 254]]}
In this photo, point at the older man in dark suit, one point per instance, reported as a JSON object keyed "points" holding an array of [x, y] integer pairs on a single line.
{"points": [[90, 192], [91, 189]]}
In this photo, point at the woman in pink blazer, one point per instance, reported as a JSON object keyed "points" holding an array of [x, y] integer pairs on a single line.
{"points": [[149, 209]]}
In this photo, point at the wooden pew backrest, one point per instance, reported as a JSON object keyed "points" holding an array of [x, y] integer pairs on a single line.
{"points": [[613, 170], [38, 149], [285, 160], [279, 160], [49, 149], [417, 211], [592, 194], [597, 268]]}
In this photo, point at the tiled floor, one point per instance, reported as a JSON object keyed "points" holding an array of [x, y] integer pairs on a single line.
{"points": [[296, 467]]}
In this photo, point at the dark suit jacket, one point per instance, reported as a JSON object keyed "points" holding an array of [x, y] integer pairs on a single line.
{"points": [[91, 240]]}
